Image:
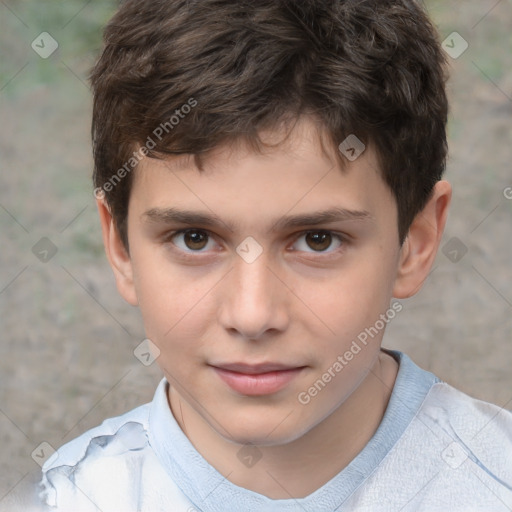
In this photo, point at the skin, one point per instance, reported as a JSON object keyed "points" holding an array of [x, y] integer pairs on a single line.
{"points": [[299, 303]]}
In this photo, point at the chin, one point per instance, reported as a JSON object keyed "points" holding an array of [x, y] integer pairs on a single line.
{"points": [[269, 431]]}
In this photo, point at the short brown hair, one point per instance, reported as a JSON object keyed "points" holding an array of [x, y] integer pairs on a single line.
{"points": [[373, 68]]}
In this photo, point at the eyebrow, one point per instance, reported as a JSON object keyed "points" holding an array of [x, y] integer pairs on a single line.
{"points": [[194, 218]]}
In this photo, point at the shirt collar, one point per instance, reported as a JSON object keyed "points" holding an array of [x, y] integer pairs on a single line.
{"points": [[209, 491]]}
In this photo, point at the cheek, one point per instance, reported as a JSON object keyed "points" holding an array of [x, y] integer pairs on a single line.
{"points": [[172, 299], [351, 301]]}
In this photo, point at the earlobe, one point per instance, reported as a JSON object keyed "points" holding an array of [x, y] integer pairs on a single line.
{"points": [[117, 254], [420, 247]]}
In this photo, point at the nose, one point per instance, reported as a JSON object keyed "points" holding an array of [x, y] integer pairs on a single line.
{"points": [[255, 300]]}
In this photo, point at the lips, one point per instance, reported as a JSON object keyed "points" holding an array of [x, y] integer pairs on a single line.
{"points": [[254, 369], [258, 379]]}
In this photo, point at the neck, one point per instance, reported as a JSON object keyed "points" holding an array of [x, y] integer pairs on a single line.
{"points": [[302, 466]]}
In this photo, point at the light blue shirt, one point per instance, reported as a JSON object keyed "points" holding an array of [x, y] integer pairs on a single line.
{"points": [[436, 449]]}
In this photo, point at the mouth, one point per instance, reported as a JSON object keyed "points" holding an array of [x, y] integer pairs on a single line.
{"points": [[260, 379]]}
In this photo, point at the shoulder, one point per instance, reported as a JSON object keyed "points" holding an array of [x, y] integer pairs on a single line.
{"points": [[475, 421], [74, 451], [93, 456], [455, 454], [472, 429]]}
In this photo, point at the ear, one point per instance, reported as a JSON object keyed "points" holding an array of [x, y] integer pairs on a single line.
{"points": [[420, 247], [117, 254]]}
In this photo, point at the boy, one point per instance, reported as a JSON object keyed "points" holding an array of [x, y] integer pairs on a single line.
{"points": [[268, 179]]}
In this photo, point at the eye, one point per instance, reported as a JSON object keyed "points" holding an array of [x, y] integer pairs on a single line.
{"points": [[319, 241], [191, 240]]}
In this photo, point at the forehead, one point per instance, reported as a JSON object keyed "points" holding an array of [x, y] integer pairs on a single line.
{"points": [[298, 175]]}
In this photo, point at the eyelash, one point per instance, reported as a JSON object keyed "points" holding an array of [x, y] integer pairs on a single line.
{"points": [[343, 240]]}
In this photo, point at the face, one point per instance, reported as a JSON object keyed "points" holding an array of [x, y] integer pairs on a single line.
{"points": [[257, 275]]}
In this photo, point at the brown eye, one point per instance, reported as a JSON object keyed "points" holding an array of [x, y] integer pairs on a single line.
{"points": [[195, 239], [191, 240], [318, 241]]}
